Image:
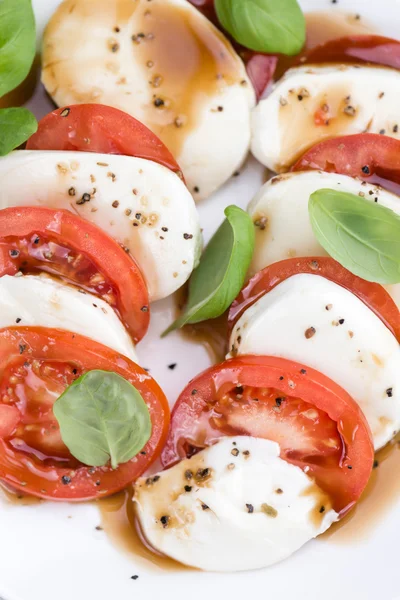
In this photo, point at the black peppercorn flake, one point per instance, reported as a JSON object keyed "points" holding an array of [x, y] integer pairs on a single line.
{"points": [[134, 577], [188, 474], [365, 169], [18, 320], [341, 321], [389, 392], [376, 464], [204, 506], [85, 198], [303, 371], [187, 236], [66, 480], [349, 467], [250, 508], [22, 348], [158, 102], [322, 509], [194, 392], [164, 521], [14, 253], [98, 482], [278, 401], [188, 488], [172, 366]]}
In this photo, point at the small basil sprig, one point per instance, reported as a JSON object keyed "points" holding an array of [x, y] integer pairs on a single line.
{"points": [[222, 270], [16, 126], [17, 42], [361, 235], [276, 26], [103, 417], [17, 53]]}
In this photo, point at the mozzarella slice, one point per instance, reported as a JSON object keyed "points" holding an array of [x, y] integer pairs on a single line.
{"points": [[315, 102], [282, 224], [41, 301], [318, 323], [246, 512], [166, 65], [140, 203]]}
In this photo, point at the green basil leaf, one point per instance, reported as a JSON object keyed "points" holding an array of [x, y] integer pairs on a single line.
{"points": [[222, 270], [103, 417], [16, 126], [17, 42], [361, 235], [264, 25]]}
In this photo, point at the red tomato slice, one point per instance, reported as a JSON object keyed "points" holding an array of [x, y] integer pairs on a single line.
{"points": [[369, 156], [102, 129], [63, 244], [36, 365], [372, 49], [372, 294], [317, 424]]}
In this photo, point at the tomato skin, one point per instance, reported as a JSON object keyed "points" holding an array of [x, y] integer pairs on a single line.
{"points": [[101, 129], [372, 294], [345, 482], [371, 157], [371, 49], [44, 480], [69, 230]]}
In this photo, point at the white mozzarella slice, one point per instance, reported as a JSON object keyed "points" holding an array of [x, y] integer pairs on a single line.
{"points": [[250, 511], [140, 203], [318, 323], [282, 223], [166, 65], [41, 301], [316, 102]]}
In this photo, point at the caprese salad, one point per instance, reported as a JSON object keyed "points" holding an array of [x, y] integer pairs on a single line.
{"points": [[269, 448]]}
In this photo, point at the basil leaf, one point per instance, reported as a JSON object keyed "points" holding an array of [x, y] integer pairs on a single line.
{"points": [[16, 126], [264, 25], [103, 417], [222, 270], [17, 42], [361, 235]]}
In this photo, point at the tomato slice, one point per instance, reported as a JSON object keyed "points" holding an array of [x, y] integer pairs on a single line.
{"points": [[372, 294], [102, 129], [36, 365], [35, 239], [369, 156], [317, 424], [372, 49]]}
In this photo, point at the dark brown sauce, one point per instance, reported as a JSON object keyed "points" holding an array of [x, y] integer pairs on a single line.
{"points": [[25, 90], [380, 495], [120, 524], [190, 62], [212, 334], [13, 496], [325, 116], [183, 59], [322, 27]]}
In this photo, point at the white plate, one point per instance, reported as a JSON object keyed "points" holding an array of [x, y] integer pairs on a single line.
{"points": [[54, 552]]}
